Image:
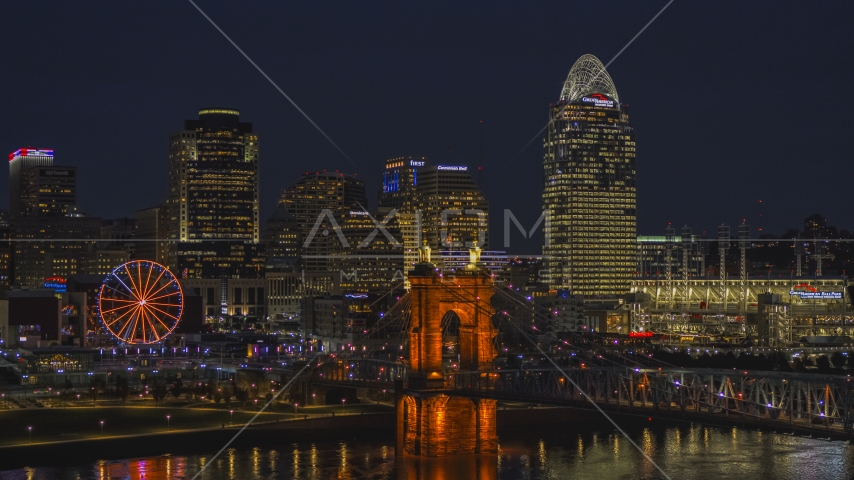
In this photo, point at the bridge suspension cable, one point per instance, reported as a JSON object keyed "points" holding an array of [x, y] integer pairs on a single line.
{"points": [[699, 392], [591, 401], [522, 301], [574, 384]]}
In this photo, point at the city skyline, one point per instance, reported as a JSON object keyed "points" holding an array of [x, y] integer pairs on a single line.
{"points": [[741, 163], [402, 240]]}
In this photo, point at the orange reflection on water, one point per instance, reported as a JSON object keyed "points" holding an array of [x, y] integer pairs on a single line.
{"points": [[157, 468]]}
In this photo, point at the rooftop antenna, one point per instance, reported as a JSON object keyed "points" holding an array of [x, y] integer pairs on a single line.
{"points": [[480, 160], [723, 246], [743, 245]]}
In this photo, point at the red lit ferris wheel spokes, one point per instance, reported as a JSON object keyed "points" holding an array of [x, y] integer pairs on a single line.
{"points": [[155, 282], [152, 297], [140, 302]]}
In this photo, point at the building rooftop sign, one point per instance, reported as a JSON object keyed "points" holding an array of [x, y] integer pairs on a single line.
{"points": [[816, 295], [30, 152], [453, 168], [598, 100]]}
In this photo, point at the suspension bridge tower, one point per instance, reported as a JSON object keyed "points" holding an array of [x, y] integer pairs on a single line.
{"points": [[431, 421]]}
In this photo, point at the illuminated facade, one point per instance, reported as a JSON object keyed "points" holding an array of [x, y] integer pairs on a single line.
{"points": [[318, 202], [454, 212], [429, 422], [438, 203], [20, 163], [213, 198], [371, 263], [589, 186], [778, 311]]}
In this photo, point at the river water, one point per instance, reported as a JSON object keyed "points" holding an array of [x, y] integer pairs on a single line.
{"points": [[561, 452]]}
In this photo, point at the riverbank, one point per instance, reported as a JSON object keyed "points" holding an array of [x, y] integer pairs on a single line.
{"points": [[368, 426], [185, 442]]}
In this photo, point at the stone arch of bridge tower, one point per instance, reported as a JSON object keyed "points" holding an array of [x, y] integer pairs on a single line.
{"points": [[468, 296], [474, 338]]}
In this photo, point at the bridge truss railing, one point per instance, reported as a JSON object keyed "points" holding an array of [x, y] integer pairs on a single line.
{"points": [[359, 371], [778, 398]]}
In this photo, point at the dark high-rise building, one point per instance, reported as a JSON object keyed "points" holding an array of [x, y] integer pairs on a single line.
{"points": [[52, 239], [589, 186], [151, 234], [282, 240], [50, 190], [20, 163], [311, 202], [213, 198], [52, 246], [5, 251]]}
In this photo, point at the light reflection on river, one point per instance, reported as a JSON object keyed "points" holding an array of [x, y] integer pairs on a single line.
{"points": [[694, 452]]}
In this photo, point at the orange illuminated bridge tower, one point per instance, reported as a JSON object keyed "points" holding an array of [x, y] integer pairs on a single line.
{"points": [[430, 421]]}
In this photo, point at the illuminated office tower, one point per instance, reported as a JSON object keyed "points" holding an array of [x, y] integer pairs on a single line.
{"points": [[372, 263], [310, 202], [399, 192], [454, 212], [589, 186], [438, 203], [400, 182], [20, 163], [213, 198]]}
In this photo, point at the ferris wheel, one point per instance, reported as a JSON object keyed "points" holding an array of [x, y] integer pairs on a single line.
{"points": [[140, 302]]}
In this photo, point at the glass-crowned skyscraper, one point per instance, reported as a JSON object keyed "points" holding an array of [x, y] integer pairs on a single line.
{"points": [[589, 186]]}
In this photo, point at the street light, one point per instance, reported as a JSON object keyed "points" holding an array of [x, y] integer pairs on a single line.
{"points": [[102, 427], [296, 406], [31, 433], [167, 421], [342, 403], [232, 416]]}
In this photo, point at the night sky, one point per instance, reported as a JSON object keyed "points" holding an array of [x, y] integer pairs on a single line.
{"points": [[732, 102]]}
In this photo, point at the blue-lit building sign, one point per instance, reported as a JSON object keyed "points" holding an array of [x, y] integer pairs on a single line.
{"points": [[57, 284]]}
